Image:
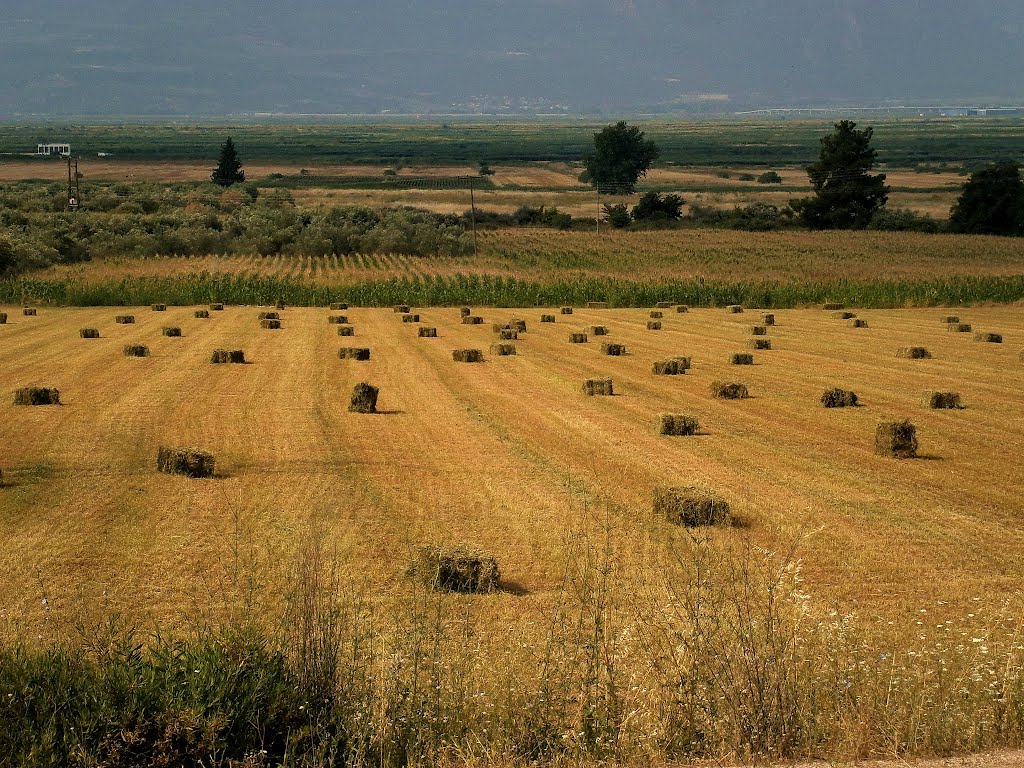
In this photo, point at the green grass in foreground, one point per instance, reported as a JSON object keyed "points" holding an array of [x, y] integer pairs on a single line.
{"points": [[485, 290]]}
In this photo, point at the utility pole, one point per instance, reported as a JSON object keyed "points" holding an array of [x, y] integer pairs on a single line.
{"points": [[74, 190], [597, 219], [472, 208]]}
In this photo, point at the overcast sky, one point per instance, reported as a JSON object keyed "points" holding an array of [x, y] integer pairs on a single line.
{"points": [[215, 58]]}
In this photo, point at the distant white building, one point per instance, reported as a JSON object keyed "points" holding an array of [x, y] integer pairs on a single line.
{"points": [[54, 149]]}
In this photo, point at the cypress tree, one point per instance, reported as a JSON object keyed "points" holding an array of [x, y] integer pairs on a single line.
{"points": [[229, 168]]}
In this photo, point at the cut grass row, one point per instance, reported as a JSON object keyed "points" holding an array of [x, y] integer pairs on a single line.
{"points": [[492, 290]]}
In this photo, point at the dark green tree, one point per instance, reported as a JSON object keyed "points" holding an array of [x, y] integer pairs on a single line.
{"points": [[992, 202], [617, 215], [846, 195], [229, 168], [654, 207], [621, 156]]}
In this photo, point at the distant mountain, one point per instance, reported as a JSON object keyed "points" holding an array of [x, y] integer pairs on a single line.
{"points": [[115, 57]]}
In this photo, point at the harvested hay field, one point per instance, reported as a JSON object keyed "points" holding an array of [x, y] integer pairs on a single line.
{"points": [[485, 452]]}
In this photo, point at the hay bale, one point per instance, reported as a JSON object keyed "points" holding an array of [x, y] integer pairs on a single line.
{"points": [[547, 318], [566, 310], [499, 327], [597, 305], [271, 324], [761, 343], [678, 425], [858, 323], [831, 307], [682, 308], [950, 319], [913, 353], [159, 307], [280, 305], [190, 462], [401, 308], [346, 330], [456, 569], [615, 350], [672, 366], [655, 315], [592, 387], [426, 333], [598, 330], [467, 356], [959, 328], [518, 325], [124, 319], [844, 315], [201, 314], [364, 398], [663, 305], [503, 350], [37, 396], [507, 334], [472, 320], [768, 319], [29, 311], [577, 338], [410, 318], [942, 400], [268, 316], [734, 309], [227, 356], [89, 333], [654, 325], [336, 305], [758, 330], [729, 391], [690, 506], [992, 338], [465, 312], [136, 350], [896, 439], [741, 358], [217, 307], [3, 318], [839, 398], [337, 319], [354, 353], [171, 330]]}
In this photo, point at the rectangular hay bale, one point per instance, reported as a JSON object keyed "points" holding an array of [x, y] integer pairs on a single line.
{"points": [[896, 439], [991, 338], [503, 350], [37, 396], [190, 462], [938, 400], [690, 506], [615, 350], [354, 353], [467, 356], [472, 320], [337, 319], [838, 398], [729, 391], [595, 387], [364, 398], [201, 314], [566, 310], [124, 319], [913, 353], [427, 333], [678, 425], [741, 358], [672, 366], [89, 333], [273, 325], [654, 325], [577, 338]]}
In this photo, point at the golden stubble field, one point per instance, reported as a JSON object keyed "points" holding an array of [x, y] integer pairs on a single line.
{"points": [[507, 455]]}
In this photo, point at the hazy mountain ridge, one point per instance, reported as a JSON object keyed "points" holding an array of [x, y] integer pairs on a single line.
{"points": [[116, 57]]}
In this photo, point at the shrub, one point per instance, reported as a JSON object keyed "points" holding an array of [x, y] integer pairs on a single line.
{"points": [[769, 177]]}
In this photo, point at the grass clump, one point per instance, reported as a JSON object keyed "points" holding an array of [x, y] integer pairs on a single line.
{"points": [[896, 439], [678, 425], [672, 366], [364, 398], [190, 462], [913, 353], [227, 356], [839, 398], [942, 400], [598, 387], [354, 353], [37, 396], [456, 569], [690, 506], [729, 391]]}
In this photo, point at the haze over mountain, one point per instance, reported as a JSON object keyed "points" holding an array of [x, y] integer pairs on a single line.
{"points": [[116, 57]]}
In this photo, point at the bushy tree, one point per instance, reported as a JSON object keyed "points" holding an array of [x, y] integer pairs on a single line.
{"points": [[617, 215], [846, 195], [229, 167], [655, 207], [769, 177], [992, 202], [621, 156]]}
